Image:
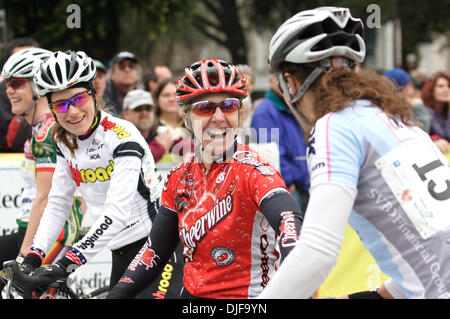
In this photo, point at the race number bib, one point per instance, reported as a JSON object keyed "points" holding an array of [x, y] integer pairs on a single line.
{"points": [[419, 176]]}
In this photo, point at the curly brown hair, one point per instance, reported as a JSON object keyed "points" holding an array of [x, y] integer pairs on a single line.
{"points": [[338, 87]]}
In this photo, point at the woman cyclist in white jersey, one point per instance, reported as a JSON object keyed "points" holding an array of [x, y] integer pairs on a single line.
{"points": [[106, 159], [369, 165]]}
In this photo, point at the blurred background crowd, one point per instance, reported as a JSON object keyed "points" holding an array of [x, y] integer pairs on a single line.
{"points": [[141, 47]]}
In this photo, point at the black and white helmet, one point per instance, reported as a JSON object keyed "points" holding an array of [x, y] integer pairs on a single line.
{"points": [[24, 63], [314, 35], [64, 70]]}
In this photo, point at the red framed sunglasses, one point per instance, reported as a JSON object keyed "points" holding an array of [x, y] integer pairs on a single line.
{"points": [[16, 83], [208, 108], [78, 100]]}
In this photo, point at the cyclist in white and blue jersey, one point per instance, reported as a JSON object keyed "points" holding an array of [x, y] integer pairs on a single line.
{"points": [[369, 165]]}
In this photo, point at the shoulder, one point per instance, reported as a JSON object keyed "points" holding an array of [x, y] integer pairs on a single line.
{"points": [[250, 159], [359, 114], [118, 131], [45, 130], [178, 169], [266, 105]]}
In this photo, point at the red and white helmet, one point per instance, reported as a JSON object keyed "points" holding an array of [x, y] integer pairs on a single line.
{"points": [[210, 76]]}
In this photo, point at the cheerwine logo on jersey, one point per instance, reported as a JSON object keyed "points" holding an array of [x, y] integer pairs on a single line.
{"points": [[90, 175], [145, 257], [194, 234], [288, 229], [119, 130]]}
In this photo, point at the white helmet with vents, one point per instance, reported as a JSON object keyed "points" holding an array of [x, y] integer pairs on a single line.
{"points": [[24, 63], [314, 35], [64, 70]]}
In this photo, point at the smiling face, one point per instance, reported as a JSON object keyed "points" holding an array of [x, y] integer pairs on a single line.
{"points": [[441, 91], [20, 95], [216, 132], [76, 120], [166, 100]]}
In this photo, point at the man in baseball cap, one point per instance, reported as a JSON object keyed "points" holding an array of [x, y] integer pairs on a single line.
{"points": [[124, 55], [139, 109], [124, 77]]}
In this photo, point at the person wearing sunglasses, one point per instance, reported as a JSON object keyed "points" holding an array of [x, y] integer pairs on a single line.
{"points": [[123, 79], [139, 109], [13, 130], [40, 152], [370, 165], [227, 205], [103, 157]]}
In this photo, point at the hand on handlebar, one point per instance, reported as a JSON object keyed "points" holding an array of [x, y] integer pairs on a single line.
{"points": [[37, 280]]}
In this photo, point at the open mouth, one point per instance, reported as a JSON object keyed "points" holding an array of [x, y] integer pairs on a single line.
{"points": [[216, 133]]}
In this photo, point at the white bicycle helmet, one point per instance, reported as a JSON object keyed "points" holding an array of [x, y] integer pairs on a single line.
{"points": [[24, 63], [323, 38], [63, 70], [314, 35]]}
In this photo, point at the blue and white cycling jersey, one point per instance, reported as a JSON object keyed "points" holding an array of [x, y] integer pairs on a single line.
{"points": [[402, 209]]}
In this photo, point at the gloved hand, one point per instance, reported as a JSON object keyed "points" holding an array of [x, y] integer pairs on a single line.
{"points": [[39, 280]]}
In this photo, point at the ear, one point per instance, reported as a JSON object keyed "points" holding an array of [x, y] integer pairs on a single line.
{"points": [[184, 118], [293, 83]]}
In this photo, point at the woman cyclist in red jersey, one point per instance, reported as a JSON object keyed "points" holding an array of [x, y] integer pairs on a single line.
{"points": [[226, 204]]}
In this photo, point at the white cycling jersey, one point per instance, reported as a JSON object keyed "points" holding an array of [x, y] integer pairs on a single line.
{"points": [[392, 184], [107, 169]]}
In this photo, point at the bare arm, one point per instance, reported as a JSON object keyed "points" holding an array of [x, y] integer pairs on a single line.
{"points": [[43, 186]]}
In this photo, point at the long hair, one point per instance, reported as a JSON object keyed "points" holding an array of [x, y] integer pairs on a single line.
{"points": [[67, 138], [338, 87], [158, 90], [428, 97]]}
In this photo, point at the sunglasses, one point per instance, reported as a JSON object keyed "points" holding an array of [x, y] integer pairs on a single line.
{"points": [[208, 108], [16, 83], [141, 108], [77, 100], [126, 64]]}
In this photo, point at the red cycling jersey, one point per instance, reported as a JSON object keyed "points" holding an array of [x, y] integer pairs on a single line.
{"points": [[231, 248]]}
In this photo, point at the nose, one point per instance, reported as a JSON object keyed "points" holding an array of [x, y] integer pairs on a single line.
{"points": [[72, 109], [218, 115]]}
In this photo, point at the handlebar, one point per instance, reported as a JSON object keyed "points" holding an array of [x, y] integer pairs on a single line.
{"points": [[8, 275]]}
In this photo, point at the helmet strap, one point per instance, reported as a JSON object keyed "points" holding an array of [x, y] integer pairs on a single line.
{"points": [[30, 107], [300, 117]]}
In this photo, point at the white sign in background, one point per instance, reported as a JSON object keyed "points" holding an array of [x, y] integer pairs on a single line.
{"points": [[95, 274]]}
